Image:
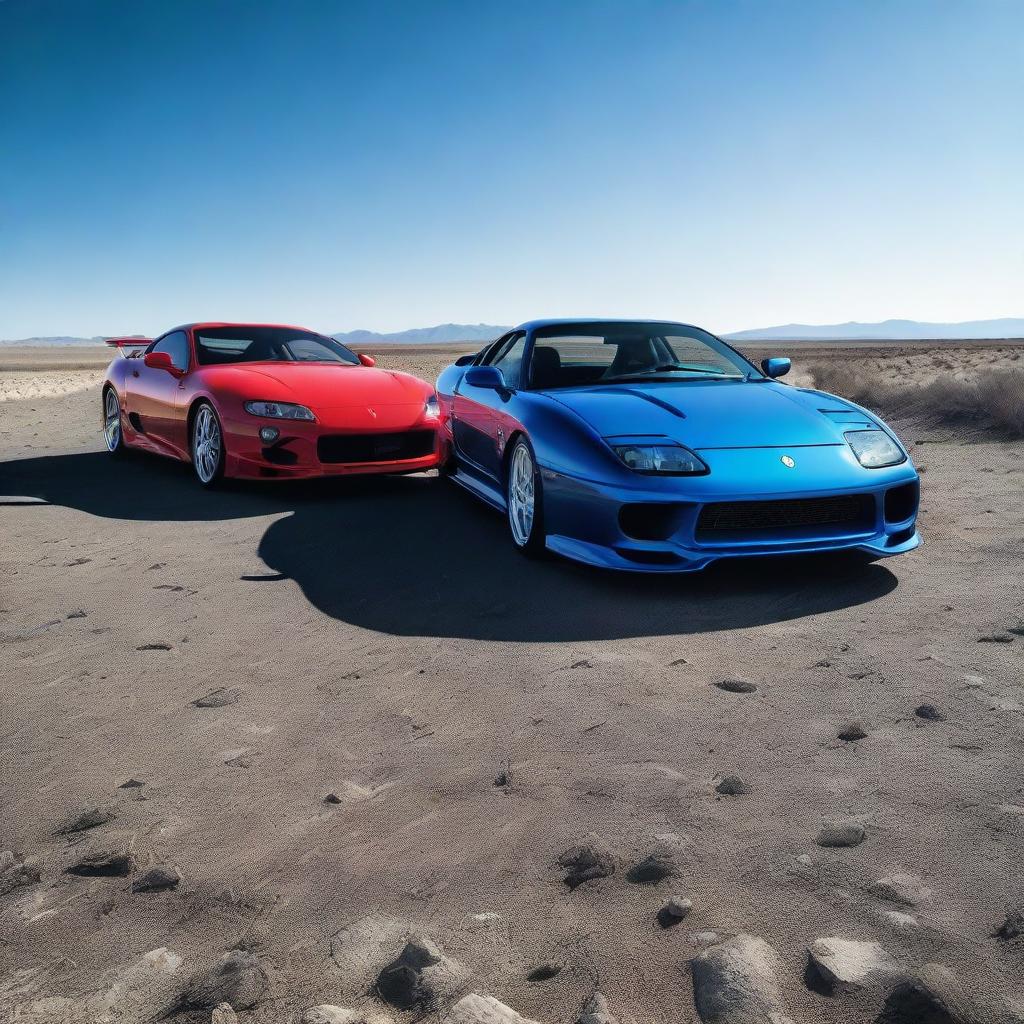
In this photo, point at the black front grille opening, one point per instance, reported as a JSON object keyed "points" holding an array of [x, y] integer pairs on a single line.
{"points": [[846, 510], [408, 444], [901, 502], [649, 520], [649, 557], [280, 456]]}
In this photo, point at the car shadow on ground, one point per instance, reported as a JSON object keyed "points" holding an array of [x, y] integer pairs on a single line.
{"points": [[415, 556]]}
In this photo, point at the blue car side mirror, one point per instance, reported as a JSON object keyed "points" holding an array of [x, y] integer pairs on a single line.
{"points": [[777, 366], [489, 377]]}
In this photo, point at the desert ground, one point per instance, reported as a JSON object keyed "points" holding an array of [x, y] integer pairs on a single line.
{"points": [[287, 746]]}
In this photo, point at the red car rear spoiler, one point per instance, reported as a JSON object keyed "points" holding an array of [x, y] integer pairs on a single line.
{"points": [[129, 348]]}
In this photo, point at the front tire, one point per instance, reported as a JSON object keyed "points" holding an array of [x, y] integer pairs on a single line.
{"points": [[113, 434], [207, 444], [524, 499]]}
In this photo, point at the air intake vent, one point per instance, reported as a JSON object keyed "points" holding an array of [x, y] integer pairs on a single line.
{"points": [[409, 444], [841, 513]]}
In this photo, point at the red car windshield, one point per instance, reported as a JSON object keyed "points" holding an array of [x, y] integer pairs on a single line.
{"points": [[241, 344]]}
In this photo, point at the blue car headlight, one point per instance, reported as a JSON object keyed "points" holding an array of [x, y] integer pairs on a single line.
{"points": [[875, 449], [660, 458], [280, 411]]}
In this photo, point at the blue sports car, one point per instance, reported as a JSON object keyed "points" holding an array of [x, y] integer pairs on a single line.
{"points": [[655, 447]]}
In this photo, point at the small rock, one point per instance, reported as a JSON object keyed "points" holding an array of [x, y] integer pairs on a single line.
{"points": [[419, 976], [933, 995], [653, 869], [332, 798], [219, 698], [131, 784], [91, 818], [328, 1014], [503, 779], [737, 982], [588, 862], [732, 785], [929, 712], [852, 732], [906, 890], [996, 638], [841, 833], [736, 685], [848, 964], [236, 979], [478, 1009], [157, 879], [901, 922], [153, 647], [1013, 926], [104, 864], [674, 911], [596, 1011], [223, 1014], [805, 859]]}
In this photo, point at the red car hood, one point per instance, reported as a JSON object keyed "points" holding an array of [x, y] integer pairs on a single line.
{"points": [[319, 385]]}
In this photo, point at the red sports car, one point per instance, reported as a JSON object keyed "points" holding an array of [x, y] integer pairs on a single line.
{"points": [[266, 401]]}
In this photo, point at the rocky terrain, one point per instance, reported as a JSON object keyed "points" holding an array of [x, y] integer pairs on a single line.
{"points": [[338, 754]]}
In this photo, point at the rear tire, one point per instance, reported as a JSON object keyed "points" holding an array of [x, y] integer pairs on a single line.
{"points": [[207, 446], [524, 500], [113, 432]]}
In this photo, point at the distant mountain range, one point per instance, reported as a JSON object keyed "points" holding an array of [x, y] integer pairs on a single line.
{"points": [[887, 330], [424, 335]]}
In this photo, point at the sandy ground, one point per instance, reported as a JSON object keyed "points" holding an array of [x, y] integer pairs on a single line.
{"points": [[382, 642]]}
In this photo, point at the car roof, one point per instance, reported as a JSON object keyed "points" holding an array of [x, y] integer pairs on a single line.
{"points": [[235, 323], [565, 321]]}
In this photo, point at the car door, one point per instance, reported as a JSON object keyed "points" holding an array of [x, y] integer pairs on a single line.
{"points": [[155, 396], [481, 424]]}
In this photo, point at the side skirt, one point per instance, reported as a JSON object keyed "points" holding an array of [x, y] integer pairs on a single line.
{"points": [[484, 491]]}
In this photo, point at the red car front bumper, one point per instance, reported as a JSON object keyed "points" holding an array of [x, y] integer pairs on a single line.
{"points": [[343, 442]]}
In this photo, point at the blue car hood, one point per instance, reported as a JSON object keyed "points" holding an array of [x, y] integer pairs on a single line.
{"points": [[706, 414]]}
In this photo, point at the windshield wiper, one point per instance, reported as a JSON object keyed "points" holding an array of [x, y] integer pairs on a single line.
{"points": [[650, 374]]}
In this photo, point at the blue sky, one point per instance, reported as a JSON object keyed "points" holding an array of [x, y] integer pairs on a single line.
{"points": [[390, 165]]}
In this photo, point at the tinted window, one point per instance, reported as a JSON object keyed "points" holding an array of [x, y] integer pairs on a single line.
{"points": [[176, 346], [510, 361], [242, 344], [574, 355]]}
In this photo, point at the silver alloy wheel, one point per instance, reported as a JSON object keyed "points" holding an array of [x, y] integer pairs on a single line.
{"points": [[111, 420], [520, 495], [206, 444]]}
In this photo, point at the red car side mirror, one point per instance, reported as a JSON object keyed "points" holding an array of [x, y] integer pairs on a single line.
{"points": [[367, 360], [162, 361]]}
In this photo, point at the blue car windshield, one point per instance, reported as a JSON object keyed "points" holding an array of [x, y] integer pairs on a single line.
{"points": [[575, 355]]}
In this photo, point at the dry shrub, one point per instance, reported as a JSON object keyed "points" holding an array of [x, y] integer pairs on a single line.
{"points": [[995, 400], [1002, 396]]}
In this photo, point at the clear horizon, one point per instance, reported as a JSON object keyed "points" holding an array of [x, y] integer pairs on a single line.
{"points": [[737, 164]]}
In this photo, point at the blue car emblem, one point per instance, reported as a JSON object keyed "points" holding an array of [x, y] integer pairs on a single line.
{"points": [[788, 462]]}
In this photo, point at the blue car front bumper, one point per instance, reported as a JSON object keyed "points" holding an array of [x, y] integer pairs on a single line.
{"points": [[750, 504]]}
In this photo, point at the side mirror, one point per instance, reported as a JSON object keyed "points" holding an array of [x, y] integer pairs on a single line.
{"points": [[777, 366], [162, 361], [489, 377], [367, 360]]}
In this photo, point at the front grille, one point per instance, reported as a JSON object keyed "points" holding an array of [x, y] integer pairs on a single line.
{"points": [[754, 517], [408, 444]]}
